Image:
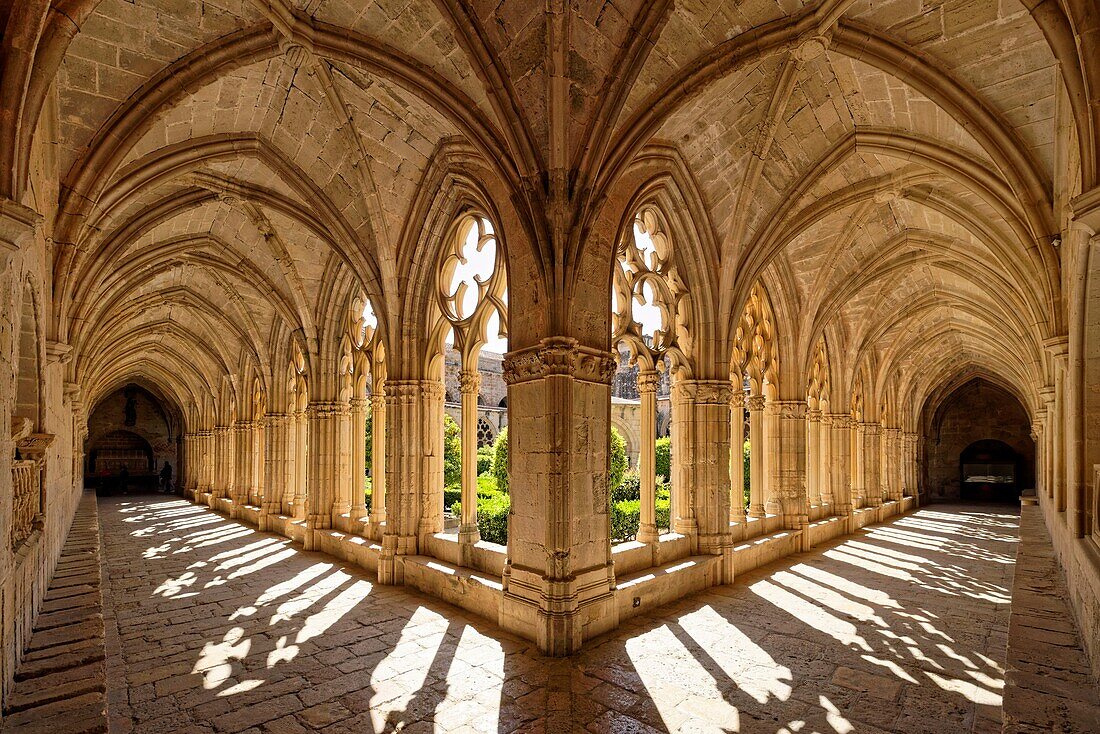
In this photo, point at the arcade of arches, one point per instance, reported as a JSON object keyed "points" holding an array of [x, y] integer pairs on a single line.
{"points": [[844, 254]]}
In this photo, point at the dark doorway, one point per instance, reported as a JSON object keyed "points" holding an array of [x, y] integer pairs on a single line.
{"points": [[989, 471]]}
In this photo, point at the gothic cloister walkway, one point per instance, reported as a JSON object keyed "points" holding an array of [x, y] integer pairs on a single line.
{"points": [[901, 627]]}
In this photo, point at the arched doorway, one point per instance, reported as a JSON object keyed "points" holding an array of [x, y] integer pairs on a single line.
{"points": [[119, 461], [133, 433], [989, 470]]}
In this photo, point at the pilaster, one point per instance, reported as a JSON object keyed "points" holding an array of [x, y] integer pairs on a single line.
{"points": [[791, 490], [323, 478]]}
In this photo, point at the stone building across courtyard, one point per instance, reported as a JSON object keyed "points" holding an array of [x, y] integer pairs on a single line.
{"points": [[830, 267]]}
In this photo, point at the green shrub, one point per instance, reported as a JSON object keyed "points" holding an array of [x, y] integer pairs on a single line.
{"points": [[746, 474], [625, 516], [664, 458], [452, 495], [618, 461], [367, 492], [484, 460], [452, 451], [487, 486], [500, 459], [367, 438], [492, 517], [629, 489], [663, 506]]}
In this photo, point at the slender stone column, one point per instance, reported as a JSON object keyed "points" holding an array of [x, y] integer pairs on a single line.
{"points": [[192, 454], [825, 462], [872, 475], [358, 458], [647, 458], [256, 439], [278, 496], [891, 469], [342, 497], [839, 465], [791, 491], [300, 464], [323, 477], [859, 488], [225, 458], [1040, 456], [204, 458], [559, 577], [378, 454], [737, 455], [241, 436], [469, 383], [773, 504], [756, 455], [413, 468], [702, 451], [813, 457]]}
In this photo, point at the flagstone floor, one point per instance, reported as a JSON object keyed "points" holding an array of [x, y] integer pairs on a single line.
{"points": [[215, 627]]}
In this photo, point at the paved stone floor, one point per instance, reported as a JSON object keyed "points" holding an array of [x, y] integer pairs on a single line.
{"points": [[221, 628]]}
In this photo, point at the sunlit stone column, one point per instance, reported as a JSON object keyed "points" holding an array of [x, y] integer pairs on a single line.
{"points": [[859, 492], [701, 445], [790, 416], [414, 446], [191, 455], [378, 453], [278, 467], [469, 384], [225, 457], [256, 437], [324, 457], [559, 577], [891, 479], [737, 454], [647, 457], [872, 475], [772, 499], [358, 458], [300, 464], [204, 456], [241, 436], [839, 463], [813, 457], [824, 462], [431, 490], [1040, 456], [909, 489], [342, 498], [756, 455]]}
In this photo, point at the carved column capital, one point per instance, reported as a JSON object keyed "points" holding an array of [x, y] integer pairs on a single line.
{"points": [[814, 416], [705, 392], [17, 226], [756, 402], [469, 381], [737, 399], [647, 381], [559, 356], [789, 409]]}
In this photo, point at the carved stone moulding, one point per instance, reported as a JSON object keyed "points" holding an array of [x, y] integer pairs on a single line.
{"points": [[33, 446], [704, 392], [559, 356]]}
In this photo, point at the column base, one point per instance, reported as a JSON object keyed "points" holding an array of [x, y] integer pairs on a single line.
{"points": [[391, 569], [558, 614], [648, 534], [756, 512]]}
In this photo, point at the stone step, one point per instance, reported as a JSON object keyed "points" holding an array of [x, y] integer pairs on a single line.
{"points": [[84, 714]]}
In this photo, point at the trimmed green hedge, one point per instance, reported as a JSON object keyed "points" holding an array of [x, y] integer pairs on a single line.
{"points": [[492, 517], [618, 461], [625, 516], [500, 459], [629, 489], [484, 460], [664, 458], [452, 451]]}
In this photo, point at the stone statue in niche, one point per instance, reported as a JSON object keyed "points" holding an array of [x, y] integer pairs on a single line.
{"points": [[130, 411]]}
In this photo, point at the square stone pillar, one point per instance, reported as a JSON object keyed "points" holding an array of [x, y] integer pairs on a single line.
{"points": [[244, 466], [891, 467], [279, 435], [856, 441], [224, 461], [414, 470], [702, 453], [559, 577], [342, 497], [790, 495], [323, 479]]}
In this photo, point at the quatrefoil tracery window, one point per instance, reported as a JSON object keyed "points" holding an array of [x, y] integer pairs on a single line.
{"points": [[650, 304], [472, 287]]}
